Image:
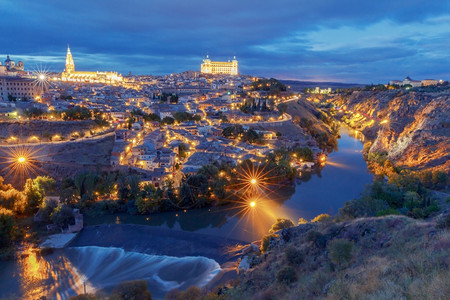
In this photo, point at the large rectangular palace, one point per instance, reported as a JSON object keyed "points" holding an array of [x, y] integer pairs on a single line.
{"points": [[220, 67]]}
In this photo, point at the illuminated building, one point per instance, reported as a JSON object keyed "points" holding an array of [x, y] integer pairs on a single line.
{"points": [[428, 82], [18, 88], [219, 67], [70, 74]]}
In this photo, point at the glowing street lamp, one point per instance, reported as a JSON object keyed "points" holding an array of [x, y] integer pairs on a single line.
{"points": [[253, 181], [21, 159], [252, 204]]}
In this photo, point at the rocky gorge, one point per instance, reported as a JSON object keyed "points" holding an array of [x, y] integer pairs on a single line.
{"points": [[412, 127]]}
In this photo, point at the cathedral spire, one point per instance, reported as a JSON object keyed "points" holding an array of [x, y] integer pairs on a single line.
{"points": [[70, 66]]}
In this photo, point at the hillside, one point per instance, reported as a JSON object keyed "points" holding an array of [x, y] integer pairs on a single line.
{"points": [[392, 257], [412, 127]]}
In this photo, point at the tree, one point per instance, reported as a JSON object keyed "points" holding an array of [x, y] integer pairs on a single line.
{"points": [[182, 116], [321, 218], [152, 117], [168, 120], [14, 200], [281, 223], [182, 150], [77, 113], [7, 224], [304, 153], [282, 108], [34, 112], [62, 216], [135, 189], [35, 194]]}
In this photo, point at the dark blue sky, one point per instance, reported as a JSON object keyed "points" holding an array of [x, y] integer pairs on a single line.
{"points": [[349, 41]]}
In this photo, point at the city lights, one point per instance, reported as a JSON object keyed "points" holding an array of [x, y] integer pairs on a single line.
{"points": [[20, 162]]}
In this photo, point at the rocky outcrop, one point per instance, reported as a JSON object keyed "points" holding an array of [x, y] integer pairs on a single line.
{"points": [[416, 128]]}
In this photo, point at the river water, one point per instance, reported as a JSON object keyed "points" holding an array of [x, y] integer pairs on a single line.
{"points": [[101, 265]]}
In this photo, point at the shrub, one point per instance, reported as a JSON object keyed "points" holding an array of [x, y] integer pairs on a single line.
{"points": [[281, 224], [84, 297], [293, 256], [286, 275], [131, 290], [387, 212], [302, 221], [443, 221], [265, 241], [321, 218], [317, 238], [340, 251], [192, 293]]}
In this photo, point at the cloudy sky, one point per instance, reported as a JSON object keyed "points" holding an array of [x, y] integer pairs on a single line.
{"points": [[322, 40]]}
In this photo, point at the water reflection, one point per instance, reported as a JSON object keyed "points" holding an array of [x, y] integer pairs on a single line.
{"points": [[322, 191]]}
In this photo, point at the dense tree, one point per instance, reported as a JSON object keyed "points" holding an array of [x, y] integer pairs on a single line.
{"points": [[34, 112], [7, 224], [62, 216], [77, 113], [167, 120]]}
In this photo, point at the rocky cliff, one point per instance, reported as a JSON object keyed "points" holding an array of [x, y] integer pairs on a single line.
{"points": [[412, 127]]}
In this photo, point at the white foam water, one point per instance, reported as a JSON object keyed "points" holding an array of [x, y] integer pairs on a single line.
{"points": [[103, 268]]}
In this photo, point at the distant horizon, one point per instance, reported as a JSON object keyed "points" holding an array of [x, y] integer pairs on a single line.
{"points": [[53, 62]]}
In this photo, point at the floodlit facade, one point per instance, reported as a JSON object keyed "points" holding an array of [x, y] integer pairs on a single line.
{"points": [[70, 74], [219, 67], [18, 88]]}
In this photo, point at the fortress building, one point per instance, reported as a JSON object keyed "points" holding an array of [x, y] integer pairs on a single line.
{"points": [[70, 74], [219, 67]]}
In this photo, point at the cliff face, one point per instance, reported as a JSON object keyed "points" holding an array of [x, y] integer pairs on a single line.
{"points": [[416, 128]]}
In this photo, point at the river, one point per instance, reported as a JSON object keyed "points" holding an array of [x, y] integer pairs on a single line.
{"points": [[128, 254]]}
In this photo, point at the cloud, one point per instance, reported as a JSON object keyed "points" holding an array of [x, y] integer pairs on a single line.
{"points": [[285, 38]]}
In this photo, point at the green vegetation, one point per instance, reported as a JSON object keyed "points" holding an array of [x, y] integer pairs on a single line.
{"points": [[16, 205], [128, 290], [324, 140], [7, 224], [77, 113], [375, 258], [34, 113], [272, 85], [185, 116], [281, 223], [251, 105], [286, 275], [195, 293], [293, 256], [62, 216], [340, 251], [381, 198], [237, 132]]}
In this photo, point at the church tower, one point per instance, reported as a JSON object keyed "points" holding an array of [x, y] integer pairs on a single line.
{"points": [[70, 66]]}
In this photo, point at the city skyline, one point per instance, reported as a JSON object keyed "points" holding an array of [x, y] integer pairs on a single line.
{"points": [[320, 41]]}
